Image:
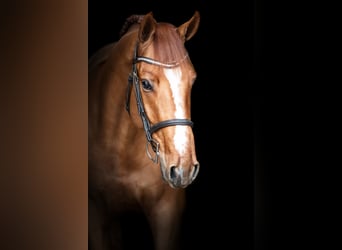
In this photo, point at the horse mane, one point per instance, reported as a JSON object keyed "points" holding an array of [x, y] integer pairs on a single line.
{"points": [[133, 19], [102, 55]]}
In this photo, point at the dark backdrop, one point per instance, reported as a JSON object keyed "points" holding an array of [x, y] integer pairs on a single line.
{"points": [[266, 112]]}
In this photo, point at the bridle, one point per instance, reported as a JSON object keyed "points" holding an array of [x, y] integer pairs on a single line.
{"points": [[149, 130]]}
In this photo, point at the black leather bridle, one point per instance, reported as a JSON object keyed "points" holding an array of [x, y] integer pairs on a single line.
{"points": [[149, 130]]}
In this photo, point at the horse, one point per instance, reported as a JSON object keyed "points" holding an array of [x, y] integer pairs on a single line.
{"points": [[141, 147]]}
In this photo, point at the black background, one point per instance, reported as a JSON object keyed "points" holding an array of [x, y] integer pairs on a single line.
{"points": [[260, 113]]}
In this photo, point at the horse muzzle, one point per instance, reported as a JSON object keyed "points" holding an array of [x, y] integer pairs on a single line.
{"points": [[179, 176]]}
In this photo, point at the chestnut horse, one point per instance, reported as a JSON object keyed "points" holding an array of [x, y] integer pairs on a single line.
{"points": [[141, 144]]}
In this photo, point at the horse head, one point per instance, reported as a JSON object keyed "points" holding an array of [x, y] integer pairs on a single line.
{"points": [[164, 75]]}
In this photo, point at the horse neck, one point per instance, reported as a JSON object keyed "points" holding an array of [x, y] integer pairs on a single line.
{"points": [[116, 122]]}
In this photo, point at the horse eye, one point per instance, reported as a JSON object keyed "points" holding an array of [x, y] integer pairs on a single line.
{"points": [[146, 85]]}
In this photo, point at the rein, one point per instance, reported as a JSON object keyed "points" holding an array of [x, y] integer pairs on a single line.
{"points": [[134, 80]]}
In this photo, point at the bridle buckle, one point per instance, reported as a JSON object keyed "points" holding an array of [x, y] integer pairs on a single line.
{"points": [[155, 147]]}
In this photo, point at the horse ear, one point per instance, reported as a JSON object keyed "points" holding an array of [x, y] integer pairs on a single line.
{"points": [[147, 27], [189, 28]]}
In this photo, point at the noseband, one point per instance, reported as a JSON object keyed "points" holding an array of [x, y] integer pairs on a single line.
{"points": [[149, 130]]}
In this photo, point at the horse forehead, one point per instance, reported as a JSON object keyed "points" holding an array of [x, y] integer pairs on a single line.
{"points": [[178, 78], [173, 76]]}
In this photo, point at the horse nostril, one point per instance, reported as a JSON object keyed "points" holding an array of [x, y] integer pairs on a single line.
{"points": [[195, 171], [173, 172]]}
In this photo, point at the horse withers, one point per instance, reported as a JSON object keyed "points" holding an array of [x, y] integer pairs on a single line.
{"points": [[141, 144]]}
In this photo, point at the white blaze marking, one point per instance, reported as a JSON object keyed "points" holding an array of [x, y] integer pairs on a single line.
{"points": [[174, 77]]}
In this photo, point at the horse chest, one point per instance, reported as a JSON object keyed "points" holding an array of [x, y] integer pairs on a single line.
{"points": [[133, 188]]}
